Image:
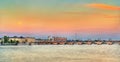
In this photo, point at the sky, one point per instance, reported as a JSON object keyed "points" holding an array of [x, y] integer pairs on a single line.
{"points": [[80, 19]]}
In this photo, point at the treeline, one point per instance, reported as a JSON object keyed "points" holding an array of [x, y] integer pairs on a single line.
{"points": [[6, 41]]}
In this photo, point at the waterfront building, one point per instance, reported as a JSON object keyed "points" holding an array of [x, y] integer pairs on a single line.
{"points": [[22, 39], [50, 38], [59, 39], [19, 39], [41, 40], [38, 40], [30, 39]]}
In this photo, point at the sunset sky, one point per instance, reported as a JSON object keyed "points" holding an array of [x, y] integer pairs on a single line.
{"points": [[69, 18]]}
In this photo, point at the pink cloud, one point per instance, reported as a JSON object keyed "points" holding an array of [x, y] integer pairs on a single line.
{"points": [[103, 6]]}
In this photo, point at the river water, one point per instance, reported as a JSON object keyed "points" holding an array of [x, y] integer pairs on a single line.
{"points": [[60, 53]]}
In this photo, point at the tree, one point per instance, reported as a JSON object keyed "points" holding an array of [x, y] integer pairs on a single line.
{"points": [[1, 42], [16, 43], [6, 39], [11, 41]]}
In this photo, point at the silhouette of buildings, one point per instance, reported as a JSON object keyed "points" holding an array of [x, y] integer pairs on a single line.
{"points": [[22, 39], [59, 39], [52, 40]]}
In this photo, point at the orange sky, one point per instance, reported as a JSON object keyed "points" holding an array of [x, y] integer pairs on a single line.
{"points": [[61, 22], [88, 17], [103, 6]]}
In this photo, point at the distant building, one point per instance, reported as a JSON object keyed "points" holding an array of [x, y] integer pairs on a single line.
{"points": [[50, 38], [59, 39], [38, 40], [30, 39], [17, 39], [22, 39], [41, 40]]}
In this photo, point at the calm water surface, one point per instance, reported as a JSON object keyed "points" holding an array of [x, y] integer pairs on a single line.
{"points": [[61, 53]]}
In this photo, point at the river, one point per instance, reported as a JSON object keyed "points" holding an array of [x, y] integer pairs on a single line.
{"points": [[60, 53]]}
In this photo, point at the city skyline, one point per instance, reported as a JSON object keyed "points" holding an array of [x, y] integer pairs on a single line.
{"points": [[40, 18]]}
